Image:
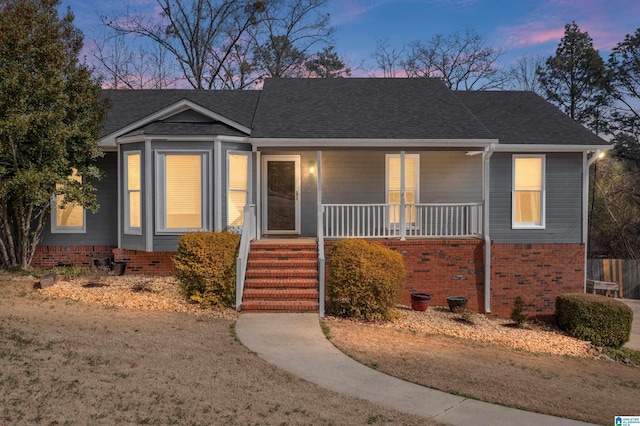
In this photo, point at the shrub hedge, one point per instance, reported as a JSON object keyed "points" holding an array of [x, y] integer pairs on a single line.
{"points": [[205, 265], [366, 280], [601, 320]]}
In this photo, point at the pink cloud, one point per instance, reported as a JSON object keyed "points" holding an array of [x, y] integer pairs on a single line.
{"points": [[606, 21]]}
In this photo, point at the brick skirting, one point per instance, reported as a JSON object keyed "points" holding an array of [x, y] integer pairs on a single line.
{"points": [[536, 272], [138, 262]]}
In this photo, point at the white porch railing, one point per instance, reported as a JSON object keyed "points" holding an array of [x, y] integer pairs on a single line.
{"points": [[248, 233], [385, 221]]}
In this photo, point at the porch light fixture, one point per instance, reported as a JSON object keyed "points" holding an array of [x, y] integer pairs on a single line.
{"points": [[312, 168]]}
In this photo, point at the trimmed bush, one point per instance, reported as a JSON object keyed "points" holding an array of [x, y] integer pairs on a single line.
{"points": [[601, 320], [366, 280], [205, 265]]}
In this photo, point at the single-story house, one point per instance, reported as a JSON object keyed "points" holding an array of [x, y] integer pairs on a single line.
{"points": [[484, 193]]}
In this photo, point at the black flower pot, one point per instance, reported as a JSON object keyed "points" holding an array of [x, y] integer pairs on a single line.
{"points": [[456, 302], [420, 301]]}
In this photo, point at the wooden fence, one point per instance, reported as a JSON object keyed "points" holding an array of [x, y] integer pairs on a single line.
{"points": [[625, 272]]}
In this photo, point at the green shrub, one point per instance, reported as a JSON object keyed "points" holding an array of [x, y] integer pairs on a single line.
{"points": [[205, 265], [366, 280], [517, 314], [601, 320]]}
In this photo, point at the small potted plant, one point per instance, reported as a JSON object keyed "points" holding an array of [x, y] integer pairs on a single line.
{"points": [[456, 302], [419, 301]]}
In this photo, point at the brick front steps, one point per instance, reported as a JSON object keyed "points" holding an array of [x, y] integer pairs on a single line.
{"points": [[282, 276]]}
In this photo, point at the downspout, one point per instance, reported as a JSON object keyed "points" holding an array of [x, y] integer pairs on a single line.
{"points": [[486, 184], [586, 164]]}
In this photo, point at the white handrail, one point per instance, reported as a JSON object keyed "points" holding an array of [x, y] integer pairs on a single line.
{"points": [[384, 220], [248, 233]]}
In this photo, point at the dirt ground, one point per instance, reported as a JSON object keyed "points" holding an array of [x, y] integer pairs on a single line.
{"points": [[579, 387], [67, 362]]}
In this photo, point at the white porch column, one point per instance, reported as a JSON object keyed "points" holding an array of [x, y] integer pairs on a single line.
{"points": [[258, 195], [403, 212], [320, 235], [217, 192]]}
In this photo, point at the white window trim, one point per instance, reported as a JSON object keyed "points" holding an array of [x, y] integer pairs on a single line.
{"points": [[388, 157], [543, 197], [160, 199], [129, 230], [249, 179], [55, 229]]}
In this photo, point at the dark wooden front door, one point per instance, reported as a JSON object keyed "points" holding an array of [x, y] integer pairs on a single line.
{"points": [[281, 194]]}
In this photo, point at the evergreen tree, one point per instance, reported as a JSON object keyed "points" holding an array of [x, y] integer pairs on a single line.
{"points": [[50, 118], [576, 79]]}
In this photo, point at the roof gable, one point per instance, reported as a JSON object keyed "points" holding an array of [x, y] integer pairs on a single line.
{"points": [[133, 109]]}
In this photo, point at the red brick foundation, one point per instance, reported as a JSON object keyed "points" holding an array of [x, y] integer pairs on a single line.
{"points": [[138, 262], [51, 256], [144, 262], [536, 272]]}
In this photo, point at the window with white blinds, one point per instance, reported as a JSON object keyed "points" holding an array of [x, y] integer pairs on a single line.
{"points": [[182, 192], [528, 191], [237, 187], [411, 185], [133, 192], [69, 217]]}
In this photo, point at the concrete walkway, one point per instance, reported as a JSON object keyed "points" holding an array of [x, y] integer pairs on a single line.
{"points": [[634, 341], [295, 343]]}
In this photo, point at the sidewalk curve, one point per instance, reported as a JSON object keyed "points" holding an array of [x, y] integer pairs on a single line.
{"points": [[295, 343], [634, 340]]}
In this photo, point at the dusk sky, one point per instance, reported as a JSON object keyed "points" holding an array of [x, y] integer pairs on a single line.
{"points": [[518, 26]]}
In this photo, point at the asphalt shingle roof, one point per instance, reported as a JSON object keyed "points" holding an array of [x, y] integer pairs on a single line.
{"points": [[363, 108], [357, 108], [526, 118]]}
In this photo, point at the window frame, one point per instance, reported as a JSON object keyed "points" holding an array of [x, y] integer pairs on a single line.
{"points": [[128, 229], [387, 159], [228, 181], [55, 229], [543, 167], [160, 190]]}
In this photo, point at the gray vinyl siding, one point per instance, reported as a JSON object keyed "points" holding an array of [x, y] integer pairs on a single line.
{"points": [[563, 223], [128, 241], [102, 226], [358, 177], [450, 177]]}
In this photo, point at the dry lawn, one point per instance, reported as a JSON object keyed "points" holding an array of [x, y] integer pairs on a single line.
{"points": [[579, 386], [68, 362]]}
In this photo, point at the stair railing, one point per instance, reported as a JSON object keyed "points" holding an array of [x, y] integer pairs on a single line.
{"points": [[248, 234]]}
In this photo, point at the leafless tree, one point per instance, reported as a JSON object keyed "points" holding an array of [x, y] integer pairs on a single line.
{"points": [[289, 34], [387, 58], [123, 64], [200, 34], [523, 74], [461, 60]]}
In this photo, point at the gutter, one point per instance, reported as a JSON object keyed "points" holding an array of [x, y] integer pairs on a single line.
{"points": [[486, 156]]}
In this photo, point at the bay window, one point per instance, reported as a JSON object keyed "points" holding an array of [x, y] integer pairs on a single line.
{"points": [[67, 217], [182, 182]]}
